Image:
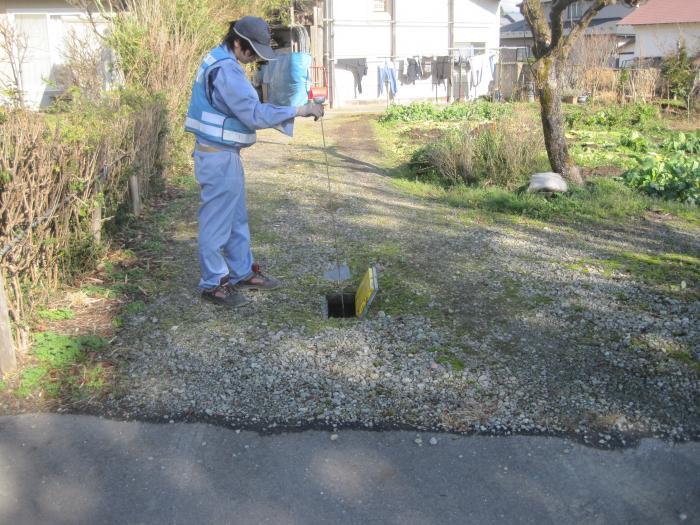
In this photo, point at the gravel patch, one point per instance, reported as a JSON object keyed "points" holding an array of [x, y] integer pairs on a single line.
{"points": [[478, 327]]}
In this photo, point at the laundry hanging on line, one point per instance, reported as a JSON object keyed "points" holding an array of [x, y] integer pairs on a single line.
{"points": [[441, 69], [358, 68], [482, 69], [386, 74], [414, 70], [426, 65]]}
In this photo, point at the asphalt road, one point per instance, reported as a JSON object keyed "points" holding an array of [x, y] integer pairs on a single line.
{"points": [[61, 469]]}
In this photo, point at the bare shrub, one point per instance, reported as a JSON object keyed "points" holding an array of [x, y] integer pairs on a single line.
{"points": [[589, 67], [598, 81], [639, 84], [13, 49], [159, 43], [53, 174], [503, 153], [595, 53], [85, 62]]}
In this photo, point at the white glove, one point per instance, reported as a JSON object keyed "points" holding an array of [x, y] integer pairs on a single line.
{"points": [[310, 109]]}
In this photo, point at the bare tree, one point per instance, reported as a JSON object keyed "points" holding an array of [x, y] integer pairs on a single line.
{"points": [[551, 49], [84, 64], [594, 56], [13, 47]]}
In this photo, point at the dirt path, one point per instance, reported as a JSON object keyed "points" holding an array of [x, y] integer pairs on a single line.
{"points": [[480, 325]]}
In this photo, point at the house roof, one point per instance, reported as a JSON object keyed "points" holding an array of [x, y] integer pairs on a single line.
{"points": [[664, 12], [521, 26], [506, 19]]}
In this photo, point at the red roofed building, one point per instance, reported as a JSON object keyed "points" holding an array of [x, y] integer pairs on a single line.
{"points": [[660, 25]]}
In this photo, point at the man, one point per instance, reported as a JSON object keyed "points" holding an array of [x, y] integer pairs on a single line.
{"points": [[224, 113]]}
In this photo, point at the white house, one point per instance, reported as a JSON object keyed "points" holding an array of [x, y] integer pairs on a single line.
{"points": [[42, 27], [661, 25], [413, 37]]}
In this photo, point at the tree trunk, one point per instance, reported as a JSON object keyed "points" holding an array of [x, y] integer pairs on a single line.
{"points": [[546, 73]]}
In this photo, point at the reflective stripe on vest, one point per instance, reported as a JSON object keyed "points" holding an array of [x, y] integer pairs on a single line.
{"points": [[208, 61], [204, 120], [215, 131]]}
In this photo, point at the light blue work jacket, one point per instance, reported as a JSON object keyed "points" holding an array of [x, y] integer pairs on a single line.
{"points": [[225, 108]]}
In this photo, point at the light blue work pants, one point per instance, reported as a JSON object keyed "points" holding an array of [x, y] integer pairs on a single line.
{"points": [[223, 218]]}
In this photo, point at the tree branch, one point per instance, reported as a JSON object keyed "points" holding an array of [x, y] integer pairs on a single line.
{"points": [[86, 5], [580, 26], [541, 34], [586, 19], [557, 21]]}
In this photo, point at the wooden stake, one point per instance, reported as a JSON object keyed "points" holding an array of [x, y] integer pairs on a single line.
{"points": [[8, 361], [96, 222], [135, 194]]}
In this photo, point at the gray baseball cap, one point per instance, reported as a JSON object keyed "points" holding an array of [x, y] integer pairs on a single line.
{"points": [[256, 31]]}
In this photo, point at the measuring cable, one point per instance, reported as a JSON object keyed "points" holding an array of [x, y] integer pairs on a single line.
{"points": [[341, 288]]}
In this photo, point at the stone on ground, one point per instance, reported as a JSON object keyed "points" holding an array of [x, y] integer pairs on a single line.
{"points": [[547, 182]]}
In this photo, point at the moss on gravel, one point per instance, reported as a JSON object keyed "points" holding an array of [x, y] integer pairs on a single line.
{"points": [[523, 300]]}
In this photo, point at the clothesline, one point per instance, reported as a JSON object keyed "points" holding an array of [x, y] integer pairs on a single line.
{"points": [[392, 70], [381, 59]]}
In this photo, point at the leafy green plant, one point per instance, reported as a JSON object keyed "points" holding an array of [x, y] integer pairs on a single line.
{"points": [[638, 115], [92, 290], [56, 314], [426, 111], [635, 141], [679, 71], [676, 177], [683, 142], [61, 362]]}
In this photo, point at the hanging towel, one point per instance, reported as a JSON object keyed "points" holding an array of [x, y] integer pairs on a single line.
{"points": [[358, 68], [482, 69]]}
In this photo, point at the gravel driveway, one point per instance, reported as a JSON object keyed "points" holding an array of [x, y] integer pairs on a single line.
{"points": [[493, 326]]}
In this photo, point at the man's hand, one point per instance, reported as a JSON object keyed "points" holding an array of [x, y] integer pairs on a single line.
{"points": [[310, 110]]}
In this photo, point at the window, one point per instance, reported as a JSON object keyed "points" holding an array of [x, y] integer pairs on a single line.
{"points": [[37, 63], [469, 49], [380, 6], [576, 10]]}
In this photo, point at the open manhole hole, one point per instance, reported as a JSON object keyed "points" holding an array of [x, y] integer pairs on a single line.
{"points": [[340, 305]]}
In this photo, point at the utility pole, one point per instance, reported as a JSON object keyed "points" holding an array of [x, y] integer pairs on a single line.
{"points": [[450, 45], [329, 55], [392, 12]]}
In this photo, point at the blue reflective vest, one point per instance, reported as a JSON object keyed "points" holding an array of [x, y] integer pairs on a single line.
{"points": [[207, 122]]}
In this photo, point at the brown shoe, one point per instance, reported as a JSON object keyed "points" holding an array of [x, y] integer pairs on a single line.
{"points": [[258, 281], [225, 295]]}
